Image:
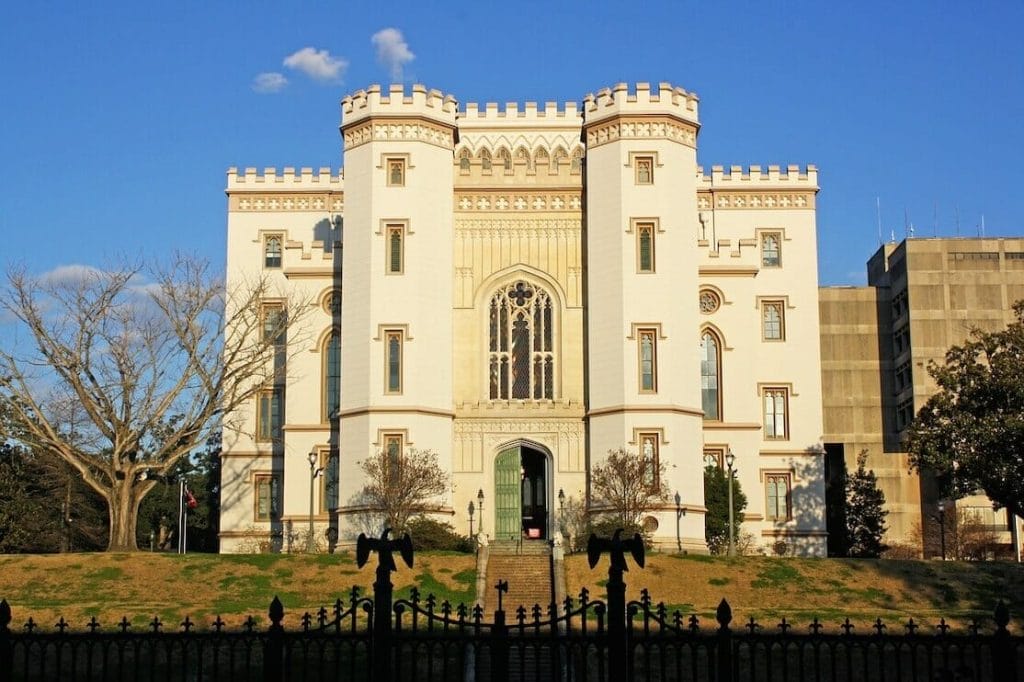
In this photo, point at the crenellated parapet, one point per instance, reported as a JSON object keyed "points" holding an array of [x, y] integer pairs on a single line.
{"points": [[291, 190], [422, 114], [530, 115], [755, 188], [665, 112]]}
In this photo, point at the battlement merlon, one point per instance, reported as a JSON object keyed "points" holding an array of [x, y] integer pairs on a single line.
{"points": [[511, 116], [421, 102], [755, 178], [304, 180], [666, 100]]}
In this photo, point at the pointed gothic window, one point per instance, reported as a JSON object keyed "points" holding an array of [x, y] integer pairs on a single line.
{"points": [[332, 376], [272, 252], [521, 358], [771, 256], [485, 160], [710, 377], [464, 161]]}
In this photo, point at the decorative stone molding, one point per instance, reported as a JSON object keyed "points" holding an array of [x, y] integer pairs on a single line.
{"points": [[287, 202], [518, 202], [485, 229], [756, 200], [389, 130], [647, 128]]}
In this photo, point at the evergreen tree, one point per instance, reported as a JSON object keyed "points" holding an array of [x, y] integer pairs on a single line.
{"points": [[865, 512], [716, 500]]}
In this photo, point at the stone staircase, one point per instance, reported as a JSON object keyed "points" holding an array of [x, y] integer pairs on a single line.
{"points": [[527, 568]]}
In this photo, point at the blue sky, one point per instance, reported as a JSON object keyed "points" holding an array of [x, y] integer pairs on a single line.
{"points": [[120, 119]]}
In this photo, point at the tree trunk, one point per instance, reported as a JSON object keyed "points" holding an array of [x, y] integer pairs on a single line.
{"points": [[124, 513]]}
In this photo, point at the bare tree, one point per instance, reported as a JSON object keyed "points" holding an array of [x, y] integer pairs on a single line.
{"points": [[401, 485], [153, 356], [628, 486]]}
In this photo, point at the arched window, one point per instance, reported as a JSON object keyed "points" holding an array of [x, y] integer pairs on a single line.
{"points": [[710, 376], [485, 159], [521, 359], [576, 164], [505, 158], [464, 160], [272, 252], [332, 375]]}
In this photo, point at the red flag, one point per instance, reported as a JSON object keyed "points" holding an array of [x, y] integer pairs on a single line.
{"points": [[190, 500]]}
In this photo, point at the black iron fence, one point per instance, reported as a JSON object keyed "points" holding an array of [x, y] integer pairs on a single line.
{"points": [[581, 639]]}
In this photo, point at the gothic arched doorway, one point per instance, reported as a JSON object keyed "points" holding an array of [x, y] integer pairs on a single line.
{"points": [[521, 493]]}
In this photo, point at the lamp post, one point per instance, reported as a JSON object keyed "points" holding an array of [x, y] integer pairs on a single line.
{"points": [[942, 528], [314, 472], [480, 508], [561, 511], [472, 508], [730, 459], [679, 516]]}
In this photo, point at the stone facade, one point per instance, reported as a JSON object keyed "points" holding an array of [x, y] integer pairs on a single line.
{"points": [[522, 289], [923, 296]]}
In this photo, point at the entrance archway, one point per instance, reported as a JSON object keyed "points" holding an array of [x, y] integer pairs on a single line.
{"points": [[521, 476]]}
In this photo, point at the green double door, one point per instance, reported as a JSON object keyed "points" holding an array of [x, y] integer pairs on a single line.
{"points": [[508, 495]]}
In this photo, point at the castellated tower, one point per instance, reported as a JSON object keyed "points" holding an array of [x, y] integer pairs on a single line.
{"points": [[396, 326], [644, 388]]}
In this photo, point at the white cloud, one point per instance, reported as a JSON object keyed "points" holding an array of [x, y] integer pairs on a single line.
{"points": [[269, 82], [317, 64], [71, 274], [392, 50]]}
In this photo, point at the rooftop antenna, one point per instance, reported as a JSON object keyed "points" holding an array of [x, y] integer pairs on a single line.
{"points": [[957, 212], [878, 210], [906, 223], [982, 224], [935, 219]]}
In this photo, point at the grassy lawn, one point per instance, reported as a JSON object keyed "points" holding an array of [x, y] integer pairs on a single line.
{"points": [[831, 589], [143, 585]]}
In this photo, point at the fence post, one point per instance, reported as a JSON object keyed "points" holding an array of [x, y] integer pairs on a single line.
{"points": [[6, 648], [1003, 652], [383, 593], [619, 659], [724, 644], [273, 652], [499, 639]]}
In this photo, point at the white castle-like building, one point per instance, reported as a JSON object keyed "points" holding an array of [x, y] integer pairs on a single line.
{"points": [[521, 289]]}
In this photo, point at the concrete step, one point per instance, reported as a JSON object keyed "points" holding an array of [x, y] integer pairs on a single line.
{"points": [[529, 583], [524, 548]]}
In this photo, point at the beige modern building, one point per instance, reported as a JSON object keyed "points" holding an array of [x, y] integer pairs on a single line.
{"points": [[923, 296], [521, 289]]}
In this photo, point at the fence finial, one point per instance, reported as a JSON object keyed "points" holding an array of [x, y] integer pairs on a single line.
{"points": [[616, 548], [276, 611], [5, 614], [724, 613], [1002, 615], [384, 546]]}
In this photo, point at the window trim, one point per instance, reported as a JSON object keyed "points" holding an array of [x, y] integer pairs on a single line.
{"points": [[274, 512], [399, 163], [720, 344], [324, 455], [765, 304], [499, 382], [652, 334], [654, 437], [390, 230], [267, 238], [388, 335], [325, 413], [717, 452], [386, 437], [641, 228], [786, 392], [639, 161], [277, 393], [787, 476], [267, 307]]}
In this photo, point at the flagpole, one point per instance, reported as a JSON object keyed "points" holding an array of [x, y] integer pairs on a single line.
{"points": [[181, 507]]}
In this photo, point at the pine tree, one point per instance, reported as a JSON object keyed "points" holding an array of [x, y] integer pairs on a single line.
{"points": [[865, 512], [716, 500]]}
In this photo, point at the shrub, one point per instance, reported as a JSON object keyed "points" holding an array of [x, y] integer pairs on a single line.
{"points": [[431, 534]]}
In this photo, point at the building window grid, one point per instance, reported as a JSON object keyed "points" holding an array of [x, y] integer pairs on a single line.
{"points": [[771, 250], [779, 497], [710, 376], [773, 321], [645, 247], [904, 413], [904, 377], [776, 411], [267, 493], [521, 336], [649, 451], [272, 251], [648, 353], [269, 415], [901, 340], [393, 342]]}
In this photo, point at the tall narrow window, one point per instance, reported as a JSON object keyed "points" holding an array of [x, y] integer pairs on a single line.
{"points": [[773, 326], [393, 445], [775, 408], [464, 161], [393, 351], [268, 415], [644, 168], [332, 376], [268, 494], [485, 160], [396, 172], [647, 338], [649, 453], [778, 494], [771, 255], [645, 247], [396, 245], [505, 157], [273, 327], [710, 377], [576, 163], [329, 481], [272, 252], [521, 331]]}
